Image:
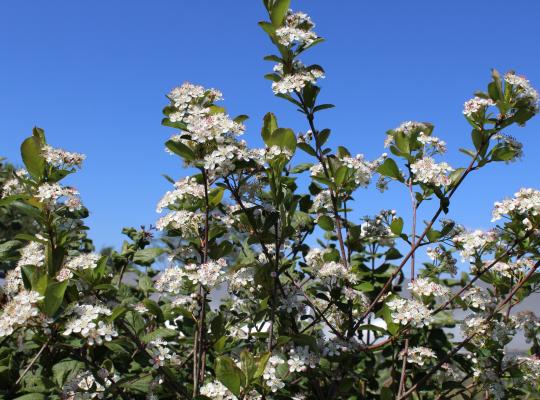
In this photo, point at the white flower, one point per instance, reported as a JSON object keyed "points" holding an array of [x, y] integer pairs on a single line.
{"points": [[83, 261], [301, 358], [18, 311], [32, 254], [477, 298], [425, 287], [217, 391], [526, 203], [426, 170], [332, 271], [61, 158], [418, 355], [185, 188], [409, 312], [187, 222], [13, 282], [297, 28], [85, 322], [475, 105], [471, 243], [438, 145], [271, 376], [209, 274], [296, 81], [523, 88], [50, 193]]}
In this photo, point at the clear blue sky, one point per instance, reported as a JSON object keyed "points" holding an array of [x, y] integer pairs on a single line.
{"points": [[94, 74]]}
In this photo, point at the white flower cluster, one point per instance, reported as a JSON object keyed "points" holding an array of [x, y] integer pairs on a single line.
{"points": [[426, 287], [243, 279], [83, 386], [217, 391], [433, 142], [530, 367], [296, 81], [13, 282], [185, 188], [361, 168], [296, 29], [471, 243], [222, 161], [77, 263], [523, 88], [419, 355], [160, 353], [85, 323], [170, 280], [477, 326], [209, 274], [409, 312], [475, 105], [314, 257], [322, 201], [271, 374], [18, 311], [192, 105], [273, 152], [61, 158], [50, 193], [83, 261], [205, 127], [525, 205], [32, 254], [331, 272], [477, 298], [187, 222], [301, 358], [374, 230], [426, 170], [14, 185]]}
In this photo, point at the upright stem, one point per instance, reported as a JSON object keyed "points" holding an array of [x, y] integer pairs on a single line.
{"points": [[199, 350], [403, 377]]}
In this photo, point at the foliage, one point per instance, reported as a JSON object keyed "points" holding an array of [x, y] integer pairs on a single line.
{"points": [[248, 308]]}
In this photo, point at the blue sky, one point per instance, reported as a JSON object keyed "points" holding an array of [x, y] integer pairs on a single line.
{"points": [[94, 76]]}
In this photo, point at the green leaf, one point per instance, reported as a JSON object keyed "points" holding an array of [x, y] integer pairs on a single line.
{"points": [[308, 149], [340, 175], [389, 168], [229, 374], [301, 168], [31, 396], [180, 149], [154, 309], [282, 137], [279, 11], [54, 295], [397, 226], [32, 158], [269, 126], [326, 223], [323, 107], [147, 256], [145, 283], [159, 333], [503, 153], [66, 370], [261, 364]]}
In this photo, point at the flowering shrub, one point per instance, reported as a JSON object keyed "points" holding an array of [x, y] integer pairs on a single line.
{"points": [[248, 306]]}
